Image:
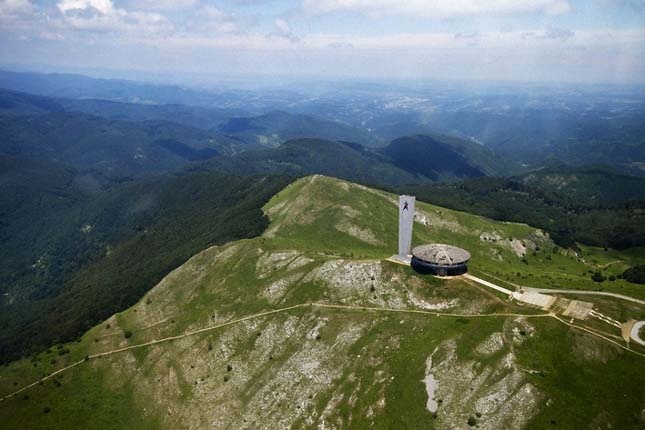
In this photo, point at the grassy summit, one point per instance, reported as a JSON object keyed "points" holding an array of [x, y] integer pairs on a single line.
{"points": [[353, 336]]}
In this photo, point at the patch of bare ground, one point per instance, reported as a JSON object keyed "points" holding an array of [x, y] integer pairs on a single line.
{"points": [[438, 219], [366, 283], [497, 392], [590, 348], [257, 375], [361, 233]]}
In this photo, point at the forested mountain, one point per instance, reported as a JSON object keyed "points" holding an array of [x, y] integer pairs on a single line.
{"points": [[77, 247], [118, 148], [594, 187], [267, 130], [587, 134], [593, 206], [275, 127], [308, 156], [443, 157]]}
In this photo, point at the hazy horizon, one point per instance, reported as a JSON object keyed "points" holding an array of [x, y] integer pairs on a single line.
{"points": [[559, 41]]}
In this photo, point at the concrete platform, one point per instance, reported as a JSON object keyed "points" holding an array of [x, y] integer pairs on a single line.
{"points": [[535, 299], [578, 310], [401, 259]]}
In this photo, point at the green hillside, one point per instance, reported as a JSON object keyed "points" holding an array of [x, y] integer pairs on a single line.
{"points": [[307, 326], [78, 247]]}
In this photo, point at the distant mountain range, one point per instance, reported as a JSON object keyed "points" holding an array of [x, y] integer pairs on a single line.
{"points": [[388, 166], [143, 141], [275, 127], [118, 148], [76, 86], [523, 124]]}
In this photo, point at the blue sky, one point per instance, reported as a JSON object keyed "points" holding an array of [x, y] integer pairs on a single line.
{"points": [[542, 40]]}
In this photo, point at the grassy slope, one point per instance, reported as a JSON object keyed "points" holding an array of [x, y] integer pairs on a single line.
{"points": [[371, 379]]}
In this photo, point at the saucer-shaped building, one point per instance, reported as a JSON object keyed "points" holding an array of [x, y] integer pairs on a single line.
{"points": [[440, 259]]}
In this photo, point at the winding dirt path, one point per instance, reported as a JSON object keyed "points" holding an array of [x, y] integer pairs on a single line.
{"points": [[312, 305]]}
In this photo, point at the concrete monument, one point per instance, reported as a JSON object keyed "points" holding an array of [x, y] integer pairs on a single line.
{"points": [[406, 220]]}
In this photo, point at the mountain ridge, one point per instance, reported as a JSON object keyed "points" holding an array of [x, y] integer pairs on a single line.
{"points": [[283, 362]]}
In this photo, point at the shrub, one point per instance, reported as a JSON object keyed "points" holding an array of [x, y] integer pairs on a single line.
{"points": [[472, 421], [635, 274], [128, 334], [597, 277]]}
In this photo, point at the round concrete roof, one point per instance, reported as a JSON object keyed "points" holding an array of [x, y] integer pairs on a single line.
{"points": [[440, 254]]}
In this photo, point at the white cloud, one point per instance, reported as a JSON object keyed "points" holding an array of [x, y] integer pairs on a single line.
{"points": [[281, 25], [437, 8], [103, 16], [103, 6], [164, 5], [637, 6], [16, 14], [15, 6], [51, 36], [590, 55], [213, 13], [521, 40], [209, 19]]}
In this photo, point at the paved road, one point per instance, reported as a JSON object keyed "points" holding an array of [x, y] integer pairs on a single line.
{"points": [[488, 284], [591, 293], [551, 290]]}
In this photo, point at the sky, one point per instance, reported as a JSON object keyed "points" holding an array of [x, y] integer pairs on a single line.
{"points": [[584, 41]]}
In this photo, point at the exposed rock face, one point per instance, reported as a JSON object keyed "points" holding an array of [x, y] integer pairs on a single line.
{"points": [[497, 393], [533, 241], [364, 234]]}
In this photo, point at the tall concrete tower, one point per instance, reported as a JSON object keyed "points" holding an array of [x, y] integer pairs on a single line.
{"points": [[406, 220]]}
